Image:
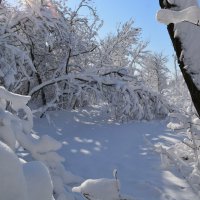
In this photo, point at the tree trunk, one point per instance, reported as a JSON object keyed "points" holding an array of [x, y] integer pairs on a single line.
{"points": [[177, 44], [44, 101]]}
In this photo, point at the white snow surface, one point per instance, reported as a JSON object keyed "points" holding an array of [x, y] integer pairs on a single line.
{"points": [[12, 180], [38, 181], [93, 147], [21, 180]]}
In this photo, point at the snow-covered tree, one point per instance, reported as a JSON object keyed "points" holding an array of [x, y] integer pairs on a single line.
{"points": [[180, 15], [13, 59], [56, 58], [116, 49], [155, 72]]}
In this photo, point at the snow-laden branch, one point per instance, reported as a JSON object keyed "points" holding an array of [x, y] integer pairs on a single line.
{"points": [[19, 102], [190, 14], [89, 78], [16, 99]]}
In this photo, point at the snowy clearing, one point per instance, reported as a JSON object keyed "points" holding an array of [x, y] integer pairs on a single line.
{"points": [[93, 148]]}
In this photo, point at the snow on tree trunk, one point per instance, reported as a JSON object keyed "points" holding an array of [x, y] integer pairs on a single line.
{"points": [[185, 39]]}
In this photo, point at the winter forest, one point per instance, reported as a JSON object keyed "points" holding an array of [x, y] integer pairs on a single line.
{"points": [[98, 118]]}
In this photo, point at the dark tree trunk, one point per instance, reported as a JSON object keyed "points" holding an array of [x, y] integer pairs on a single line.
{"points": [[44, 101], [194, 91]]}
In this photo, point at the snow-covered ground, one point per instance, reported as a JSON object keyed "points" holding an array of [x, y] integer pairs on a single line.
{"points": [[94, 147]]}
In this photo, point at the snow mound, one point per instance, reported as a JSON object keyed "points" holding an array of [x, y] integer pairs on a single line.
{"points": [[23, 181], [12, 184], [38, 181], [102, 189]]}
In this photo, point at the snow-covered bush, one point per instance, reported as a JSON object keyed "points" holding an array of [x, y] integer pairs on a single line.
{"points": [[177, 94], [184, 155], [155, 72], [124, 96], [16, 123], [101, 189]]}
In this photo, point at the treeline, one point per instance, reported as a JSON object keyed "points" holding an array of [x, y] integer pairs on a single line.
{"points": [[54, 54]]}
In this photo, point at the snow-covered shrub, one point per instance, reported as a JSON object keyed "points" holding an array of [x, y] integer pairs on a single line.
{"points": [[16, 123], [19, 180], [155, 72], [125, 97], [101, 189], [177, 94], [184, 155], [134, 101]]}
